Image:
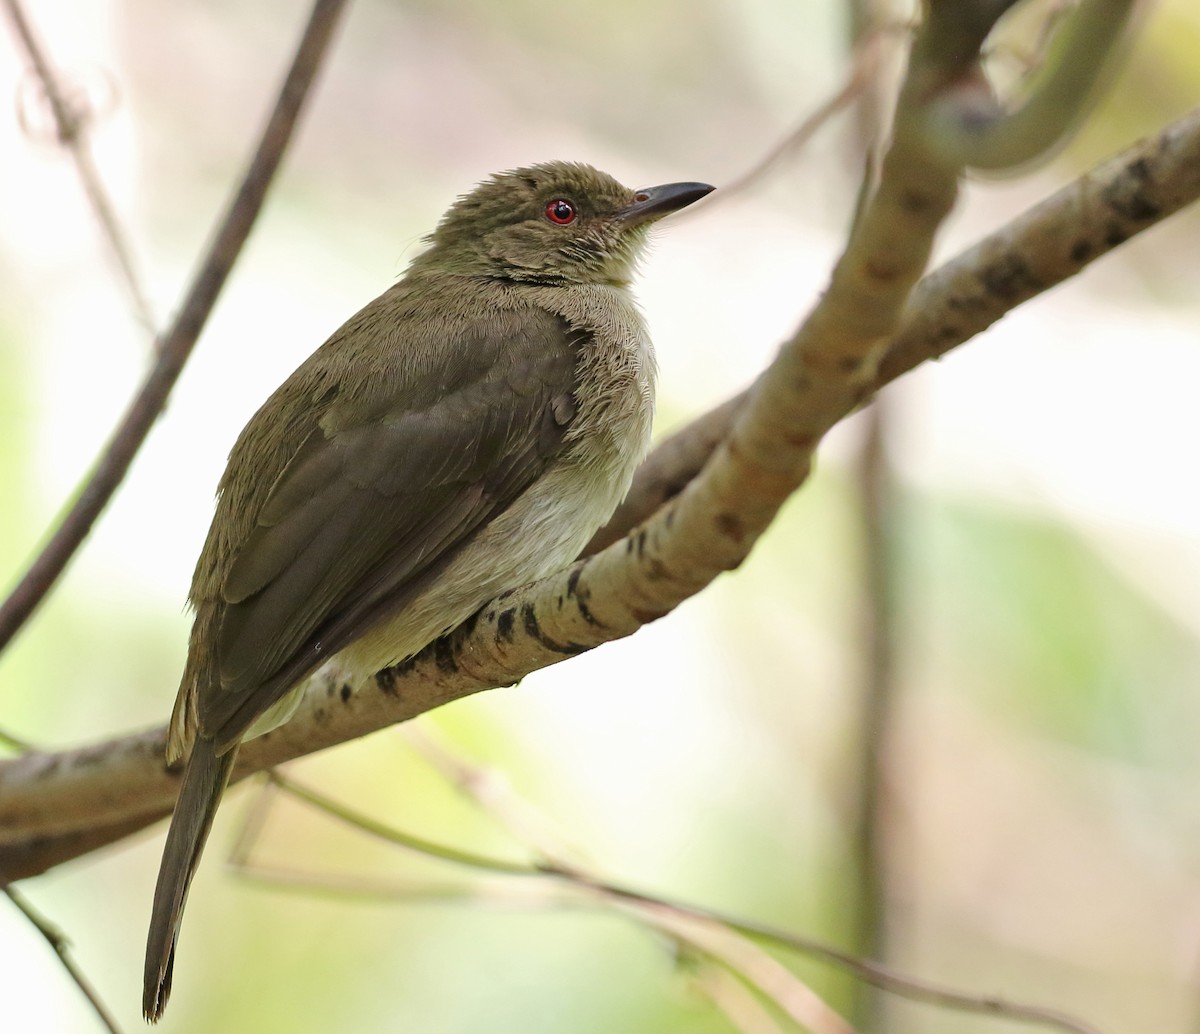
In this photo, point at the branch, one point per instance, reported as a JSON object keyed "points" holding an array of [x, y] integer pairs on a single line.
{"points": [[49, 800], [867, 59], [690, 928], [71, 125], [723, 937], [176, 344], [967, 125], [1041, 248], [864, 791], [727, 951], [62, 948]]}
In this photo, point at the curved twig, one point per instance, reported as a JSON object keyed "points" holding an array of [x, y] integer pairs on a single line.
{"points": [[59, 943], [71, 125], [703, 927], [176, 343], [969, 126]]}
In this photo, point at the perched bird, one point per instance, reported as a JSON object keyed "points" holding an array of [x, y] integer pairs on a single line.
{"points": [[463, 434]]}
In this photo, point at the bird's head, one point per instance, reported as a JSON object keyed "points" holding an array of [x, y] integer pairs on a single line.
{"points": [[556, 223]]}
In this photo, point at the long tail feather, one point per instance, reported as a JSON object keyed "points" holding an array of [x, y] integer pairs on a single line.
{"points": [[204, 782]]}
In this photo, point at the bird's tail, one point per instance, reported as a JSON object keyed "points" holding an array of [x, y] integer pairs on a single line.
{"points": [[204, 782]]}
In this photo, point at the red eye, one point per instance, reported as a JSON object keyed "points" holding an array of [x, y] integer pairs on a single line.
{"points": [[560, 211]]}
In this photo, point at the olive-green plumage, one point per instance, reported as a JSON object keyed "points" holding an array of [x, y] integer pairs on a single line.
{"points": [[464, 433]]}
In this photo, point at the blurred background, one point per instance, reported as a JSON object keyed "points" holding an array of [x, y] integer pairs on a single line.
{"points": [[1037, 828]]}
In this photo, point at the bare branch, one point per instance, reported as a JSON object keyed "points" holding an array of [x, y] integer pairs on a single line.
{"points": [[880, 976], [176, 343], [731, 951], [739, 1004], [538, 884], [740, 955], [489, 791], [726, 938], [866, 62], [62, 948], [864, 795], [969, 126], [867, 804], [72, 121]]}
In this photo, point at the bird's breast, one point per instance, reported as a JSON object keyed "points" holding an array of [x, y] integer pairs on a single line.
{"points": [[616, 381]]}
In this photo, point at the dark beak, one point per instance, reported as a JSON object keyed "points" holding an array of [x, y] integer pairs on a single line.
{"points": [[652, 203]]}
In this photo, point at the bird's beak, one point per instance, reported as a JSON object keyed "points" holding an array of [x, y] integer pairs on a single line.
{"points": [[652, 203]]}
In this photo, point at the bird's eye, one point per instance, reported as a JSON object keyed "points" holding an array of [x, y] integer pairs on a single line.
{"points": [[560, 211]]}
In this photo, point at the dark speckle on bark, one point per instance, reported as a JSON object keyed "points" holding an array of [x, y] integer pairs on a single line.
{"points": [[1009, 278], [914, 201], [656, 570], [386, 679], [1127, 197], [730, 526], [445, 656], [51, 769], [580, 596], [534, 631], [800, 439]]}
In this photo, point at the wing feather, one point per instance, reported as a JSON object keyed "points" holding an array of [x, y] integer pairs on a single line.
{"points": [[377, 498]]}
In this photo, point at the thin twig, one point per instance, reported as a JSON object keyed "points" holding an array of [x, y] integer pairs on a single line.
{"points": [[881, 976], [878, 975], [876, 703], [741, 955], [176, 344], [737, 1001], [866, 62], [480, 892], [418, 845], [72, 121], [865, 798], [58, 941], [795, 998], [495, 797]]}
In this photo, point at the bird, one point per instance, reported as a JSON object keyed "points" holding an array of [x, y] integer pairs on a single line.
{"points": [[462, 435]]}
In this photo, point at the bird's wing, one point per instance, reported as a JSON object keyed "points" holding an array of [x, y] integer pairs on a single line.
{"points": [[368, 510]]}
